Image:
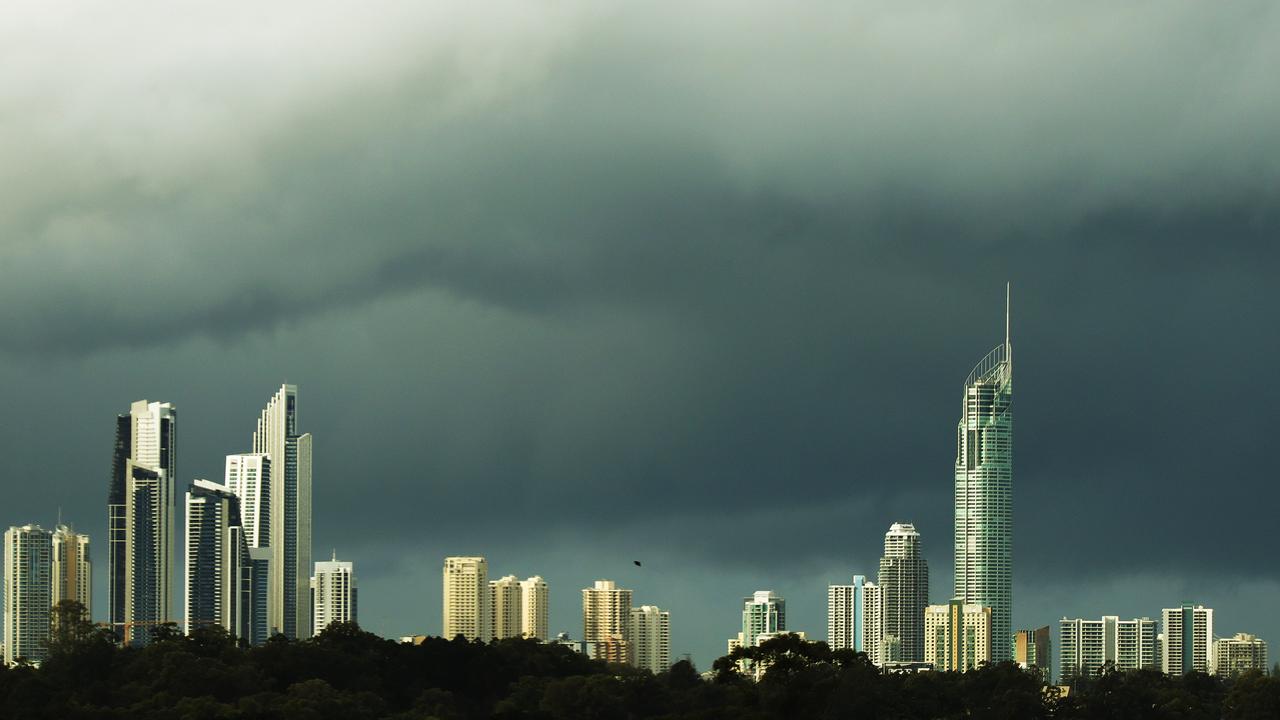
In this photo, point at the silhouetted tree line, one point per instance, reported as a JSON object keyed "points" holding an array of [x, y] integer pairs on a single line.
{"points": [[349, 674]]}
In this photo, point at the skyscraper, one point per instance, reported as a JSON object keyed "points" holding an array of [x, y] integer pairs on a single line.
{"points": [[28, 563], [904, 585], [1188, 639], [957, 635], [466, 599], [248, 475], [606, 621], [534, 609], [1084, 646], [650, 633], [219, 575], [72, 569], [334, 593], [504, 607], [290, 513], [140, 520], [984, 492], [763, 612], [847, 614]]}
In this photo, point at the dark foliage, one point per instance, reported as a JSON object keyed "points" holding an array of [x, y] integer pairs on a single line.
{"points": [[348, 674]]}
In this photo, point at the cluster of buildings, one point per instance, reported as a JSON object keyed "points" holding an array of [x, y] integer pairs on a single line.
{"points": [[613, 630], [247, 565]]}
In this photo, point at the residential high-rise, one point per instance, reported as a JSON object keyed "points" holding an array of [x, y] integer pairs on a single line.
{"points": [[466, 599], [1188, 637], [219, 575], [505, 607], [1239, 654], [72, 569], [289, 534], [248, 475], [28, 570], [333, 590], [650, 633], [957, 635], [606, 621], [984, 492], [534, 609], [1031, 649], [904, 584], [855, 617], [877, 648], [1084, 646], [140, 557], [763, 612]]}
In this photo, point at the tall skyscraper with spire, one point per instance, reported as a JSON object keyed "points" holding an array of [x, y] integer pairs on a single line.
{"points": [[140, 521], [289, 594], [984, 492]]}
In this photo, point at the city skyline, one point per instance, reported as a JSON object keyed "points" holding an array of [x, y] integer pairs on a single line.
{"points": [[577, 286]]}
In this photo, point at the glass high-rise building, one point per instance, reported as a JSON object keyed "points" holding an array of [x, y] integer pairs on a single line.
{"points": [[984, 492], [288, 499], [140, 520]]}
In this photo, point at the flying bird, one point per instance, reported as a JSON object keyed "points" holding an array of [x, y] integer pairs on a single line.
{"points": [[637, 562]]}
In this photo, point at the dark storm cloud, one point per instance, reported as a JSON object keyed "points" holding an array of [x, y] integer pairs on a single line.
{"points": [[665, 279]]}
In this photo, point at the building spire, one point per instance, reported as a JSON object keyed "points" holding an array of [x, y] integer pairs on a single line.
{"points": [[1008, 348]]}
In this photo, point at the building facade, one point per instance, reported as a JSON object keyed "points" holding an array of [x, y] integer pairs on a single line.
{"points": [[1188, 639], [650, 634], [219, 576], [72, 568], [1085, 646], [289, 534], [248, 475], [606, 621], [957, 635], [535, 609], [140, 514], [904, 585], [466, 599], [1239, 654], [28, 580], [1031, 649], [763, 612], [504, 608], [333, 593], [984, 492]]}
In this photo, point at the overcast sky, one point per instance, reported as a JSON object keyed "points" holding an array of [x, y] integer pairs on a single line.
{"points": [[573, 284]]}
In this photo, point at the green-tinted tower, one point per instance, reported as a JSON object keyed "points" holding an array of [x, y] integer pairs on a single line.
{"points": [[984, 492]]}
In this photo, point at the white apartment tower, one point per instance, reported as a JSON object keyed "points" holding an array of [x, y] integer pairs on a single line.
{"points": [[957, 635], [534, 609], [1084, 646], [650, 633], [606, 621], [466, 599], [1188, 637], [72, 569], [289, 535], [248, 475], [140, 513], [505, 607], [28, 562], [1242, 653], [762, 613], [904, 587], [218, 577], [333, 590], [855, 618]]}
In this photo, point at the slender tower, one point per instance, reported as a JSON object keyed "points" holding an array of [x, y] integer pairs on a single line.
{"points": [[140, 520], [289, 595], [904, 595], [984, 491]]}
